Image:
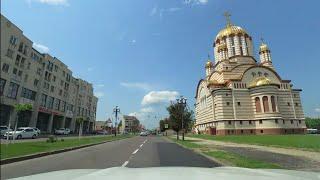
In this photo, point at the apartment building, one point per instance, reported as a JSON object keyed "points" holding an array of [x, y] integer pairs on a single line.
{"points": [[30, 77], [130, 124]]}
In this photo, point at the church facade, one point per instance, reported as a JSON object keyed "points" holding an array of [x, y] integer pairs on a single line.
{"points": [[240, 95]]}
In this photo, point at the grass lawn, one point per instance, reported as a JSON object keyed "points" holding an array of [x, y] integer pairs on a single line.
{"points": [[26, 148], [308, 142], [240, 161], [187, 143]]}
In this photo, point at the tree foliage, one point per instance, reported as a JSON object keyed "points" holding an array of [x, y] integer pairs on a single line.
{"points": [[312, 123], [23, 107], [80, 120], [176, 114], [162, 124]]}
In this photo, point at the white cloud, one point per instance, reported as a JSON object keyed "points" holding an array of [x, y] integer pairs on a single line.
{"points": [[99, 94], [147, 110], [195, 2], [133, 41], [317, 109], [173, 9], [90, 69], [153, 11], [156, 97], [100, 85], [41, 48], [143, 86], [52, 2]]}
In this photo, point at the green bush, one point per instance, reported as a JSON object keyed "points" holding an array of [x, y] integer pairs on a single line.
{"points": [[52, 139], [62, 140]]}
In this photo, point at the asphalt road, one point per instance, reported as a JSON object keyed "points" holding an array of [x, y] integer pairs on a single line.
{"points": [[133, 153]]}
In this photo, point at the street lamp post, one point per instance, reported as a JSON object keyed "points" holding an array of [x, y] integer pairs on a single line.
{"points": [[182, 102], [116, 110]]}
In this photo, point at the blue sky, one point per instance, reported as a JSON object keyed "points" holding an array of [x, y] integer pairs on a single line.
{"points": [[141, 54]]}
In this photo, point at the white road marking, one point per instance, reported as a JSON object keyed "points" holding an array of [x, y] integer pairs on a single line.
{"points": [[135, 151], [145, 141], [125, 163], [141, 145]]}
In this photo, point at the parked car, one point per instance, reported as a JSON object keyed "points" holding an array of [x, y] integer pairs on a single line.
{"points": [[62, 131], [144, 133], [22, 132], [38, 130], [4, 129]]}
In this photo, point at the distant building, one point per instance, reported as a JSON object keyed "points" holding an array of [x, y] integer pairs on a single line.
{"points": [[100, 125], [130, 124]]}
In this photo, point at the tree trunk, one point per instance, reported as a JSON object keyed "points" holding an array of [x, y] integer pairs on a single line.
{"points": [[177, 135], [183, 135]]}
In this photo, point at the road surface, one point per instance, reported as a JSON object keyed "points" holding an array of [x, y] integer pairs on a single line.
{"points": [[151, 151]]}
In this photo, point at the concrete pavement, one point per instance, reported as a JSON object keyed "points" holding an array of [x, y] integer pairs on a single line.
{"points": [[133, 152]]}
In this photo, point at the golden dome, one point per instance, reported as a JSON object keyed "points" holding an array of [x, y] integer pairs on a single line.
{"points": [[260, 81], [209, 64], [264, 47], [230, 29], [210, 82]]}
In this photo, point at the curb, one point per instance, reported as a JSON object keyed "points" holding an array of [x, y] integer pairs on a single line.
{"points": [[33, 156], [199, 153]]}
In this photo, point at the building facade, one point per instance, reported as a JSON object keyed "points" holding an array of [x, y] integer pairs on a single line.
{"points": [[45, 82], [130, 124], [240, 95]]}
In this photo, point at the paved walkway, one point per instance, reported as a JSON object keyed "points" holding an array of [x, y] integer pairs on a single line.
{"points": [[287, 158]]}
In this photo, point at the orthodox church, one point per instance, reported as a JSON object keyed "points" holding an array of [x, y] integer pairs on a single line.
{"points": [[242, 95]]}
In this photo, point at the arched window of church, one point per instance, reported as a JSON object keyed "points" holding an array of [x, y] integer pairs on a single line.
{"points": [[241, 50], [265, 103], [253, 74], [259, 73], [273, 103], [258, 105], [266, 74]]}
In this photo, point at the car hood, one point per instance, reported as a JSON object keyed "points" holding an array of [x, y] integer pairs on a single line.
{"points": [[177, 173]]}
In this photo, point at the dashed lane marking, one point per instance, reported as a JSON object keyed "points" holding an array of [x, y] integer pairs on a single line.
{"points": [[135, 151], [125, 163]]}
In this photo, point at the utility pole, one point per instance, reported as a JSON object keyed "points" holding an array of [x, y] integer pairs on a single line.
{"points": [[116, 110], [182, 102]]}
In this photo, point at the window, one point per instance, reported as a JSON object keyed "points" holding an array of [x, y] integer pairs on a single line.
{"points": [[251, 131], [228, 103], [273, 104], [291, 121], [276, 121], [63, 106], [43, 100], [260, 121], [20, 73], [229, 122], [35, 82], [54, 78], [299, 121], [17, 60], [57, 104], [13, 40], [261, 131], [25, 77], [9, 53], [288, 104], [227, 94], [258, 105], [14, 71], [13, 90], [28, 94], [241, 131], [260, 73], [2, 85], [55, 68], [50, 102], [265, 103], [240, 122], [5, 67], [60, 92], [28, 67], [52, 88], [250, 122], [296, 104], [283, 122], [22, 62], [239, 104], [253, 74]]}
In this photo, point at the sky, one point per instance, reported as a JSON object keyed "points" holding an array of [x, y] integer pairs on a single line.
{"points": [[142, 54]]}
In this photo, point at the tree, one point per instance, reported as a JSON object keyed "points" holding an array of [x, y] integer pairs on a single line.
{"points": [[21, 110], [80, 120], [312, 123], [176, 114]]}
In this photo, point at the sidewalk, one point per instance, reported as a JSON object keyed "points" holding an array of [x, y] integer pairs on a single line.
{"points": [[287, 158]]}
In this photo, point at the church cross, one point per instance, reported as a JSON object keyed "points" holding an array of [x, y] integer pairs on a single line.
{"points": [[227, 15]]}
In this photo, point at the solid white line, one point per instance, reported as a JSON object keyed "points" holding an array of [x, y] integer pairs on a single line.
{"points": [[125, 163], [135, 151], [145, 141], [141, 145]]}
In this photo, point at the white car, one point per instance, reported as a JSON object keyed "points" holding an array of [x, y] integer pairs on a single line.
{"points": [[4, 129], [22, 132], [38, 130], [62, 131]]}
